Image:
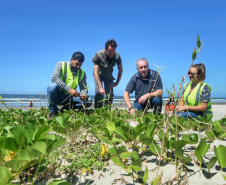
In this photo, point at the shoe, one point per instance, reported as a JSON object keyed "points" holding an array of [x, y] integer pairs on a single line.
{"points": [[51, 115]]}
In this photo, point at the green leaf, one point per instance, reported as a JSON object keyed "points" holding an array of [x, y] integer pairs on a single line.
{"points": [[15, 165], [40, 146], [194, 138], [117, 161], [59, 120], [125, 155], [145, 175], [198, 42], [122, 149], [110, 126], [59, 142], [185, 137], [217, 126], [105, 140], [179, 152], [9, 144], [194, 54], [151, 130], [222, 135], [138, 130], [134, 167], [121, 133], [31, 130], [184, 159], [112, 151], [145, 139], [5, 176], [201, 150], [220, 154], [212, 162], [156, 181], [59, 182], [210, 135], [180, 143], [21, 135], [22, 155], [40, 133], [155, 149]]}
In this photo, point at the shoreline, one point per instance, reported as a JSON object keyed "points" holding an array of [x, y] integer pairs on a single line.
{"points": [[218, 109]]}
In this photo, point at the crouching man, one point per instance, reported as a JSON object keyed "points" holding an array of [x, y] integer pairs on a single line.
{"points": [[146, 83], [62, 91]]}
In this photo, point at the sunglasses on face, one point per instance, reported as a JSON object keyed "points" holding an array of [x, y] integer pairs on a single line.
{"points": [[190, 73]]}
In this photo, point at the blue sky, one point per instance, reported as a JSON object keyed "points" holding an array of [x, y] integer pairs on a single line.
{"points": [[35, 35]]}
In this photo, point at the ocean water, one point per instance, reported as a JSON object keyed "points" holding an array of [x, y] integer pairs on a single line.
{"points": [[42, 100]]}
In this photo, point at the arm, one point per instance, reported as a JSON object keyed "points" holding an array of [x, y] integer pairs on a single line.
{"points": [[144, 98], [97, 78], [120, 70], [56, 79], [83, 85], [127, 100]]}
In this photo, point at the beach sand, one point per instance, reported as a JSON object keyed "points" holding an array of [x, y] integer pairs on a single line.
{"points": [[113, 174]]}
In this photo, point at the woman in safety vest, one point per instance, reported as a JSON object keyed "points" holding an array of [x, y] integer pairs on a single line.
{"points": [[195, 99]]}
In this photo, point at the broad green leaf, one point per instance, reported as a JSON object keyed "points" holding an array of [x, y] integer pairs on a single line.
{"points": [[40, 146], [122, 149], [180, 143], [194, 138], [212, 162], [201, 150], [125, 155], [155, 149], [112, 151], [110, 126], [220, 154], [59, 182], [40, 133], [22, 155], [138, 130], [223, 135], [116, 140], [145, 175], [121, 133], [105, 140], [135, 155], [210, 135], [217, 126], [48, 139], [5, 176], [9, 144], [179, 152], [59, 142], [31, 130], [15, 165], [59, 120], [117, 161], [134, 167], [145, 139], [184, 159], [21, 135], [185, 137], [151, 130]]}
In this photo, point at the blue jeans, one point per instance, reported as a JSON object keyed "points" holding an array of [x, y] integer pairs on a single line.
{"points": [[108, 90], [156, 105], [189, 114], [57, 97]]}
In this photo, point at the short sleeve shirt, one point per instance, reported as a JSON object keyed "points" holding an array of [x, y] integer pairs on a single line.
{"points": [[205, 94], [143, 86]]}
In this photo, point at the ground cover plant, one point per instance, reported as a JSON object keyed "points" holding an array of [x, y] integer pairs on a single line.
{"points": [[34, 148]]}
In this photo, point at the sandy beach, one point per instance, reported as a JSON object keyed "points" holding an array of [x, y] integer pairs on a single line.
{"points": [[113, 174]]}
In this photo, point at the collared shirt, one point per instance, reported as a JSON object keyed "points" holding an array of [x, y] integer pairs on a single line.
{"points": [[143, 86], [63, 86], [96, 59]]}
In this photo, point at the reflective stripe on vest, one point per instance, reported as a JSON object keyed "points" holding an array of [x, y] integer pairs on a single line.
{"points": [[193, 98], [67, 76]]}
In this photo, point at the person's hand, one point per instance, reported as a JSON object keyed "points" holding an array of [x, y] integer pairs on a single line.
{"points": [[132, 111], [73, 92], [143, 99], [102, 91], [112, 85], [83, 97], [181, 108]]}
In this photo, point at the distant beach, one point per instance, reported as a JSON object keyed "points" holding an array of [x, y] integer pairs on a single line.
{"points": [[21, 101]]}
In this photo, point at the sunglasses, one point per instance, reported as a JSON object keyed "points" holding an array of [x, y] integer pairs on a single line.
{"points": [[193, 74]]}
